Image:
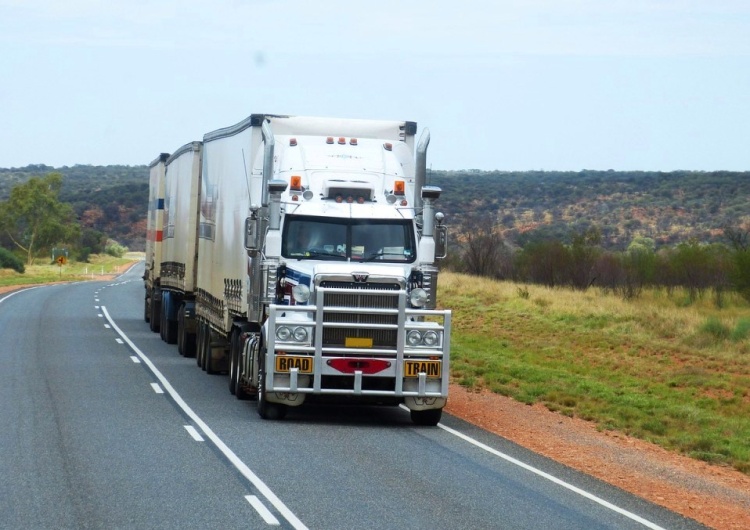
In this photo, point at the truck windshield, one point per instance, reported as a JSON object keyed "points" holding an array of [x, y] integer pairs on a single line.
{"points": [[348, 239]]}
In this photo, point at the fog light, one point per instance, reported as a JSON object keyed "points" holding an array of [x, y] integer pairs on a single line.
{"points": [[430, 338], [283, 333], [414, 338]]}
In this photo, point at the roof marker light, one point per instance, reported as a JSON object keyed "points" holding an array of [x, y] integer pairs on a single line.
{"points": [[388, 146], [292, 142], [353, 141], [329, 140], [342, 141], [295, 183]]}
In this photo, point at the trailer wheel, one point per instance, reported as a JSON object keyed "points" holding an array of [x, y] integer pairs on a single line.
{"points": [[208, 361], [199, 346], [234, 360], [266, 409], [185, 340], [170, 330], [181, 330], [155, 314], [429, 417], [146, 313]]}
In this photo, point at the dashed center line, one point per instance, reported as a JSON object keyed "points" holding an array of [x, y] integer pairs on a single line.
{"points": [[196, 436], [264, 512]]}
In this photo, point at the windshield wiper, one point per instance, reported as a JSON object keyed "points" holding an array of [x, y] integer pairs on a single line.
{"points": [[315, 253], [373, 255]]}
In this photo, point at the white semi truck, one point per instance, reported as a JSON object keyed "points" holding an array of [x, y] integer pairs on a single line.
{"points": [[299, 255]]}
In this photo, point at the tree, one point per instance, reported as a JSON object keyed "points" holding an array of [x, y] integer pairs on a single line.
{"points": [[34, 219], [484, 251]]}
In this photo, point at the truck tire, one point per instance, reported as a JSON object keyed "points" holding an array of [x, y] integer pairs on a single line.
{"points": [[429, 417], [181, 330], [199, 346], [146, 314], [208, 361], [154, 315], [266, 409], [234, 359], [170, 331], [185, 340]]}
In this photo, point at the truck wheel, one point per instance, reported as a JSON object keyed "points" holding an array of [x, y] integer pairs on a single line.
{"points": [[199, 346], [154, 316], [266, 409], [181, 330], [170, 331], [208, 361], [185, 340], [162, 321], [146, 315], [429, 417], [234, 360]]}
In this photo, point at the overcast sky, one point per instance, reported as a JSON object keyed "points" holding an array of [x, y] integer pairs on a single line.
{"points": [[501, 84]]}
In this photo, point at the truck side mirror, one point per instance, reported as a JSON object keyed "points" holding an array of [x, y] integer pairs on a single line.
{"points": [[441, 241], [441, 237]]}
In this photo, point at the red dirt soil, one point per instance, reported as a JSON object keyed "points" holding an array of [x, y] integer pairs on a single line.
{"points": [[716, 496]]}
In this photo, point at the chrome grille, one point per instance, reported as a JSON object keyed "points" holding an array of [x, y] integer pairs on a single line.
{"points": [[381, 338]]}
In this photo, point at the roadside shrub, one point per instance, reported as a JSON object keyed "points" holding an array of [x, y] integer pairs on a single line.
{"points": [[115, 249], [741, 330], [8, 260], [715, 327]]}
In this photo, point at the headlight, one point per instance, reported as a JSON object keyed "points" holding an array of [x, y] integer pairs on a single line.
{"points": [[418, 297], [300, 334], [301, 293], [430, 338], [283, 333], [414, 338]]}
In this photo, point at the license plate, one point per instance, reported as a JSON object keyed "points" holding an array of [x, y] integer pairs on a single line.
{"points": [[414, 368], [284, 363], [358, 342]]}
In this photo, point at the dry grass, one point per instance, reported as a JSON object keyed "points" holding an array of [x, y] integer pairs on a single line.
{"points": [[659, 367]]}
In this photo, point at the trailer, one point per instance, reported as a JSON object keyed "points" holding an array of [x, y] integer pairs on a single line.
{"points": [[315, 266]]}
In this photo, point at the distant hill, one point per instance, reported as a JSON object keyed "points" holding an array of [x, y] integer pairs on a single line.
{"points": [[111, 199], [669, 207], [524, 205]]}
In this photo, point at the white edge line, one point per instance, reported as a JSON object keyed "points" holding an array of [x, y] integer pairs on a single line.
{"points": [[552, 478], [195, 434], [220, 445], [3, 299], [264, 512]]}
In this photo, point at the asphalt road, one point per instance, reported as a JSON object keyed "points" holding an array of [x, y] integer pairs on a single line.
{"points": [[103, 425]]}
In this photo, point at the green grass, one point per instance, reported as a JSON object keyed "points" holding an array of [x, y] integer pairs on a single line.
{"points": [[654, 367], [98, 265]]}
